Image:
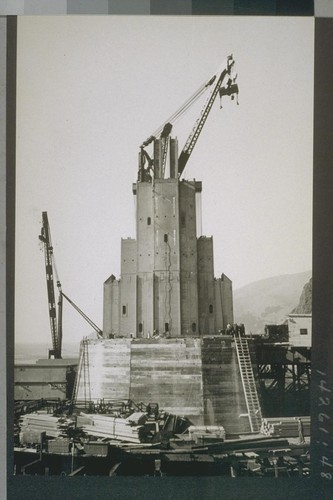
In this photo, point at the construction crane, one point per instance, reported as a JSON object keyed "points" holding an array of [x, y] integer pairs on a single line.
{"points": [[223, 84], [56, 327], [56, 323]]}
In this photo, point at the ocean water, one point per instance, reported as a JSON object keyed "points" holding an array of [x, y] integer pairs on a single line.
{"points": [[29, 353]]}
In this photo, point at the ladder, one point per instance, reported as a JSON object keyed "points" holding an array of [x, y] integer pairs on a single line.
{"points": [[248, 381], [83, 370]]}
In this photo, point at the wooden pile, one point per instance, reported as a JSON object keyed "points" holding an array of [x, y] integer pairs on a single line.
{"points": [[285, 426], [116, 428], [38, 422]]}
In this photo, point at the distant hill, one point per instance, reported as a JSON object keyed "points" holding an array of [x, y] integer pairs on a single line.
{"points": [[270, 300], [305, 301]]}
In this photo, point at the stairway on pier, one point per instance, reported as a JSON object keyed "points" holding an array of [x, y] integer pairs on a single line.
{"points": [[249, 383]]}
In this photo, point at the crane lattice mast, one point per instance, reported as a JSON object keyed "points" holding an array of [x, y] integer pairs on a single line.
{"points": [[56, 330]]}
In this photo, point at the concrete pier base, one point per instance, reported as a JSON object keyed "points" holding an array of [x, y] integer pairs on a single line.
{"points": [[194, 377]]}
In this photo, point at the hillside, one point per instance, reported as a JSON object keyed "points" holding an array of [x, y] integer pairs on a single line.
{"points": [[305, 301], [270, 300]]}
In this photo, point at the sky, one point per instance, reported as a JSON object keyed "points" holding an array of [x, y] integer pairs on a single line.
{"points": [[90, 90]]}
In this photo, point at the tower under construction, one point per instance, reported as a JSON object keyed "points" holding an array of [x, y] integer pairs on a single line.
{"points": [[167, 285], [165, 317]]}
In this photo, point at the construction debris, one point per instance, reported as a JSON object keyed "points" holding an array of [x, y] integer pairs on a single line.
{"points": [[36, 423], [205, 433], [113, 428], [141, 438], [286, 427]]}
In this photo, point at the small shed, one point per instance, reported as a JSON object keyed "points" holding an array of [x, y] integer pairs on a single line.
{"points": [[300, 329]]}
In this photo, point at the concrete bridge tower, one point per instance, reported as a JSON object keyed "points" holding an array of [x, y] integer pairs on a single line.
{"points": [[167, 285]]}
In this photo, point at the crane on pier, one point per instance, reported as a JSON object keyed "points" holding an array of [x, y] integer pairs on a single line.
{"points": [[56, 325], [223, 84], [56, 322]]}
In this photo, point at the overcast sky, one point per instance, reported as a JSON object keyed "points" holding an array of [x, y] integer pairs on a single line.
{"points": [[90, 90]]}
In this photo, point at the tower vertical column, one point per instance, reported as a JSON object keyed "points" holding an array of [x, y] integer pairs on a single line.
{"points": [[173, 158], [166, 257], [145, 260]]}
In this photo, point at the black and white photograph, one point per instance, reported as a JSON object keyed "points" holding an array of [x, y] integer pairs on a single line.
{"points": [[165, 328]]}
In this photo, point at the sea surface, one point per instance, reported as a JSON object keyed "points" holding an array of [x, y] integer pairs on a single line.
{"points": [[29, 353]]}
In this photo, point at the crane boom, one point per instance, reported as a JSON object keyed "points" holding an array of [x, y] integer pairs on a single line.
{"points": [[91, 323], [230, 90], [216, 85], [163, 132], [56, 332], [172, 119]]}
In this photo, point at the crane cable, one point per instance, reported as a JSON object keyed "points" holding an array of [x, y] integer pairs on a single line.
{"points": [[191, 100], [175, 116]]}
